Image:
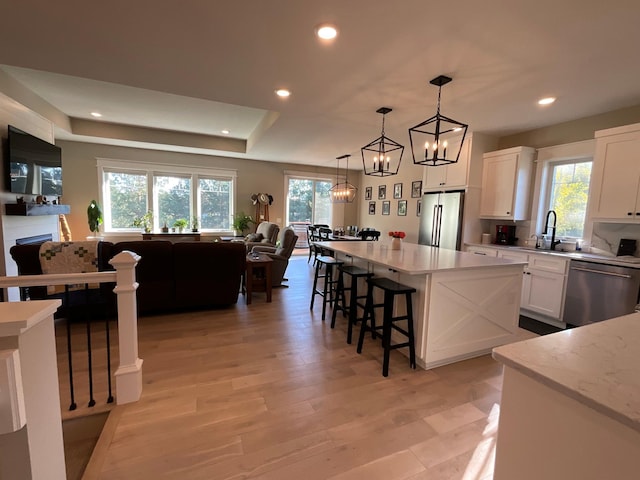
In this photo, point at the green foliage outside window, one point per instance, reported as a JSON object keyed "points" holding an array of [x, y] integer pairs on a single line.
{"points": [[128, 198], [569, 194], [127, 193], [309, 201]]}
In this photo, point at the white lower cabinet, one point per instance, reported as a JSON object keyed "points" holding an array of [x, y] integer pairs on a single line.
{"points": [[544, 281], [543, 292]]}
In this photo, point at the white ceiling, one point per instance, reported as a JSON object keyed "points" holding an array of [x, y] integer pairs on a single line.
{"points": [[203, 66]]}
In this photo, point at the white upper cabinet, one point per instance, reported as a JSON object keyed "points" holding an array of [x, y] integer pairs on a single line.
{"points": [[506, 184], [450, 176], [467, 171], [616, 175]]}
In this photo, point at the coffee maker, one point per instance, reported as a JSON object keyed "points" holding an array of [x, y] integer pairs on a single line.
{"points": [[506, 234]]}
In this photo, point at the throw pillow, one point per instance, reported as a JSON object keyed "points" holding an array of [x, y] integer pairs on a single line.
{"points": [[254, 237]]}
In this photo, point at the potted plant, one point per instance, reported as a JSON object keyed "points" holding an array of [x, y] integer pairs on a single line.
{"points": [[181, 224], [145, 221], [94, 217], [241, 222], [194, 224]]}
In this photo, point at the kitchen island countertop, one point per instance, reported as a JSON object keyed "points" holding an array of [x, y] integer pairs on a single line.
{"points": [[414, 259], [597, 365]]}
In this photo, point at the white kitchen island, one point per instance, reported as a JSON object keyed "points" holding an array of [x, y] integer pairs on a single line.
{"points": [[465, 304], [570, 405]]}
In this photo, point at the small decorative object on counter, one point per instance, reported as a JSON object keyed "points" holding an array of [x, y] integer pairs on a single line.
{"points": [[396, 240], [165, 228]]}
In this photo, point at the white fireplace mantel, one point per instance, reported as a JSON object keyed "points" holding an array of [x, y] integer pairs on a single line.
{"points": [[15, 227]]}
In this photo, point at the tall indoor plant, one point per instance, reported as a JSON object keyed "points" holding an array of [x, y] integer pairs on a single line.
{"points": [[241, 222], [94, 217]]}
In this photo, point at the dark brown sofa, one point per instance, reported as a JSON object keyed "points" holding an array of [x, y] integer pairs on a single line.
{"points": [[171, 276]]}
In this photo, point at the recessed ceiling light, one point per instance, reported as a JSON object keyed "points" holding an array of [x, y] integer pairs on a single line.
{"points": [[283, 92], [327, 32], [96, 114], [226, 132], [546, 101]]}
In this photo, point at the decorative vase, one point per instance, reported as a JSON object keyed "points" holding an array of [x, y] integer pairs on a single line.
{"points": [[396, 243]]}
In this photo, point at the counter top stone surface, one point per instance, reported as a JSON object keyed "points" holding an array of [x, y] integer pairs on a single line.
{"points": [[597, 365], [415, 259], [627, 261]]}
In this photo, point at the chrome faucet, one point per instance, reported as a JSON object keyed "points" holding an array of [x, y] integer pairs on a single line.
{"points": [[537, 245], [554, 242]]}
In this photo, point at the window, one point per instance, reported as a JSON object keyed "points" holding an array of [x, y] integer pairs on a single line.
{"points": [[172, 198], [568, 194], [308, 200], [131, 189], [124, 197], [214, 198]]}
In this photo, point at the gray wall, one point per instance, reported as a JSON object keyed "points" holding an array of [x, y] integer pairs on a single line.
{"points": [[80, 179], [573, 131]]}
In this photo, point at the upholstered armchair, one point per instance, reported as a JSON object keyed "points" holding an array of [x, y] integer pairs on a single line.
{"points": [[266, 236], [280, 254]]}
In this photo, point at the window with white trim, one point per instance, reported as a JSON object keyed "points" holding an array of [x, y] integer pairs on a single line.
{"points": [[308, 199], [568, 191], [131, 189]]}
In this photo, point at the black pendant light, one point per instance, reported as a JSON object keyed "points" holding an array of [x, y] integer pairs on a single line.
{"points": [[438, 140], [343, 192], [382, 157]]}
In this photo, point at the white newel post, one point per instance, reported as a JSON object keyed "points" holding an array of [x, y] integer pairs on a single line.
{"points": [[129, 372], [31, 446]]}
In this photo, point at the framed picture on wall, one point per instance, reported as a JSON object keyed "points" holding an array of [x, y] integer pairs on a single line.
{"points": [[386, 207], [418, 207], [416, 189], [372, 208], [397, 190], [382, 192], [367, 193], [402, 208]]}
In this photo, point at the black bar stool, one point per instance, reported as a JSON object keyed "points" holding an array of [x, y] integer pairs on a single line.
{"points": [[329, 284], [390, 289], [350, 310]]}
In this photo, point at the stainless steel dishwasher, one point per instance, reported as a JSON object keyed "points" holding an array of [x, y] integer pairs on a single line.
{"points": [[598, 292]]}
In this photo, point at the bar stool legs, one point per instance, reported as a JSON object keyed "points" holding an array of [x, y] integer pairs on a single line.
{"points": [[350, 309], [390, 289], [329, 284]]}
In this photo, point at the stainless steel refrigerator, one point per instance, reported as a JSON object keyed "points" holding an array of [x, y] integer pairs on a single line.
{"points": [[441, 220]]}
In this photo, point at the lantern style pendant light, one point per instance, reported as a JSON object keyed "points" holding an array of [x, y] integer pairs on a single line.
{"points": [[343, 192], [438, 140], [382, 157]]}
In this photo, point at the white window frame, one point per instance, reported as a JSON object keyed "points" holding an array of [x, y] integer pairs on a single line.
{"points": [[289, 175], [549, 182], [151, 170], [547, 157]]}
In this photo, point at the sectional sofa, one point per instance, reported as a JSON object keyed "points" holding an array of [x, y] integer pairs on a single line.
{"points": [[171, 276]]}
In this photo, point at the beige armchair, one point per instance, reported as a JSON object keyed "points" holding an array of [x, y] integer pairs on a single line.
{"points": [[280, 254], [266, 236]]}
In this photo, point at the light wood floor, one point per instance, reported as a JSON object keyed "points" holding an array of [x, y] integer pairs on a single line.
{"points": [[269, 391]]}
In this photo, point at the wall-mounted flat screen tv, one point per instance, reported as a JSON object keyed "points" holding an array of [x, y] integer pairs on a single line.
{"points": [[33, 166]]}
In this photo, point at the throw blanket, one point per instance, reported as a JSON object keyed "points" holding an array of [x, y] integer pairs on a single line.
{"points": [[68, 257]]}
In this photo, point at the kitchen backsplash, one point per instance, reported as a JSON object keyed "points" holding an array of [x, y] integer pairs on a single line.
{"points": [[606, 237]]}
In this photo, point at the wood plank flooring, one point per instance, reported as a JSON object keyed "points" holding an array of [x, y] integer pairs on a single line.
{"points": [[270, 391]]}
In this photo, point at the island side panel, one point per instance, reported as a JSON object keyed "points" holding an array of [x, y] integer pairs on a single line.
{"points": [[470, 312], [559, 437]]}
